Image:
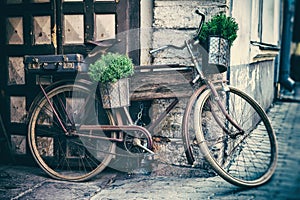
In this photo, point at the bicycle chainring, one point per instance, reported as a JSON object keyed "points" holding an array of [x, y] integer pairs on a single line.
{"points": [[129, 142]]}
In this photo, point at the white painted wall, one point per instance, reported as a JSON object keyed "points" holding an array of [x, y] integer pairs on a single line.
{"points": [[252, 69], [253, 28], [241, 11]]}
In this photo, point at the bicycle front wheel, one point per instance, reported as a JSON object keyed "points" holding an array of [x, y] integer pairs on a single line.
{"points": [[244, 158], [54, 139]]}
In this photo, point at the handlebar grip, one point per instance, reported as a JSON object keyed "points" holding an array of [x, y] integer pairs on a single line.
{"points": [[201, 23], [200, 13]]}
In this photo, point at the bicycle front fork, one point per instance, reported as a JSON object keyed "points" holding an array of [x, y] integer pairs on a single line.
{"points": [[224, 112]]}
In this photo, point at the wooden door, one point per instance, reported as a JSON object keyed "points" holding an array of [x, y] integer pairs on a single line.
{"points": [[31, 27]]}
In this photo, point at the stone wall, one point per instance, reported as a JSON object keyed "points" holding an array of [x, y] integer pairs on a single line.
{"points": [[173, 23], [176, 21]]}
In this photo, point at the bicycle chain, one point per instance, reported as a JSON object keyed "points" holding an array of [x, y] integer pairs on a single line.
{"points": [[139, 121]]}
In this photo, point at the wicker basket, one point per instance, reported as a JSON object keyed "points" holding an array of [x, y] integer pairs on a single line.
{"points": [[115, 95], [218, 55]]}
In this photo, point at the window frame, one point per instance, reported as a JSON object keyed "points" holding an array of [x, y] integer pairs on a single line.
{"points": [[262, 48]]}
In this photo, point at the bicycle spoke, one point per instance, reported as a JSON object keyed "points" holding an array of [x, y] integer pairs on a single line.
{"points": [[64, 155], [245, 158]]}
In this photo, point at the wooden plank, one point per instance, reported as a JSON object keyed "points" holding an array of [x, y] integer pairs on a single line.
{"points": [[73, 7], [163, 83], [134, 24], [105, 7]]}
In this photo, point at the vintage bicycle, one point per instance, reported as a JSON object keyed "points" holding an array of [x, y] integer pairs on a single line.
{"points": [[72, 137]]}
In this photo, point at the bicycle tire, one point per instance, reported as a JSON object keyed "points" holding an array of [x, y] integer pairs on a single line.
{"points": [[191, 148], [245, 160], [68, 156]]}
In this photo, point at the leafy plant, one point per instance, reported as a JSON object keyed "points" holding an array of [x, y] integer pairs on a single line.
{"points": [[111, 67], [219, 25]]}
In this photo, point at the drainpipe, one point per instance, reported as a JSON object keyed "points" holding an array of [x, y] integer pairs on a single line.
{"points": [[285, 55]]}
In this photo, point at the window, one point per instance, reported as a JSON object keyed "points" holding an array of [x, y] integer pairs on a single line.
{"points": [[265, 29], [269, 19]]}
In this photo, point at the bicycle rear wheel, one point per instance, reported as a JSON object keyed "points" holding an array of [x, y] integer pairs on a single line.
{"points": [[245, 159], [59, 151]]}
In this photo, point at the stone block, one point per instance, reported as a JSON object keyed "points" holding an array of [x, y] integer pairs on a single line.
{"points": [[181, 14], [175, 37]]}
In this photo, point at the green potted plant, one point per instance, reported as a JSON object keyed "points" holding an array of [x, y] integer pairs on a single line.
{"points": [[111, 71], [217, 36], [219, 25]]}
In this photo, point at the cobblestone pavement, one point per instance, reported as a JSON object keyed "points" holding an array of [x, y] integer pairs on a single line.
{"points": [[285, 183], [19, 182]]}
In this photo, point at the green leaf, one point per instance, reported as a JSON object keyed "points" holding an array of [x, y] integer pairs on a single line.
{"points": [[219, 25], [111, 67]]}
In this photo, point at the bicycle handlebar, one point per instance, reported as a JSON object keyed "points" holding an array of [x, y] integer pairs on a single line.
{"points": [[165, 47], [195, 38], [201, 23]]}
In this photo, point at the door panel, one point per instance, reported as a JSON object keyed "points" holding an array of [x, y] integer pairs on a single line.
{"points": [[32, 27]]}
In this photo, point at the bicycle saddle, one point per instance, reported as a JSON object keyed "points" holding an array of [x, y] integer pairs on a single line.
{"points": [[97, 48], [103, 43]]}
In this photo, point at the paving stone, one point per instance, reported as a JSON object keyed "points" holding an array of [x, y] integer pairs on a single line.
{"points": [[19, 182], [283, 185]]}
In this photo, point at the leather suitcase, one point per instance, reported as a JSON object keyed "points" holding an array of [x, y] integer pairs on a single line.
{"points": [[54, 63]]}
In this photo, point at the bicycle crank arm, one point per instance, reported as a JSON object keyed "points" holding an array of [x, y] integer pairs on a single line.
{"points": [[137, 142]]}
